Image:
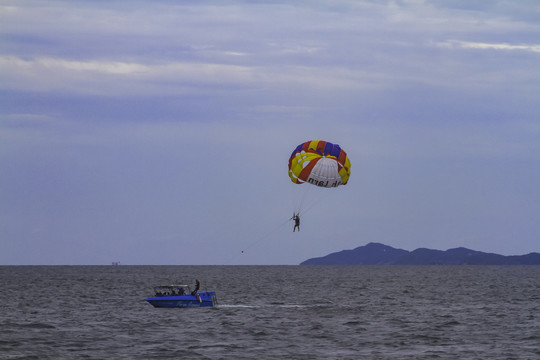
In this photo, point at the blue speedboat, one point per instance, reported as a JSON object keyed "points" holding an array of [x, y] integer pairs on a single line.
{"points": [[169, 296]]}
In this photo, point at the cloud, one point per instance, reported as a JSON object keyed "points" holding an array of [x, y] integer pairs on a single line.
{"points": [[121, 78], [535, 48]]}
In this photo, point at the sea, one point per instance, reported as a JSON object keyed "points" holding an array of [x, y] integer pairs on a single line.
{"points": [[272, 312]]}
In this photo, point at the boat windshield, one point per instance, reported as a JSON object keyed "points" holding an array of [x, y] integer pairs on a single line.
{"points": [[171, 290]]}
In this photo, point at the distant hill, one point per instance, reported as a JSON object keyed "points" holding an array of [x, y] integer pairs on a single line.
{"points": [[380, 254]]}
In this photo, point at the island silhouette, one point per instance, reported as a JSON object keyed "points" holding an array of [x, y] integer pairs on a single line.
{"points": [[380, 254]]}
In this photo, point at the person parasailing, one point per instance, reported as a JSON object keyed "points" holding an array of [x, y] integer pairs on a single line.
{"points": [[296, 218]]}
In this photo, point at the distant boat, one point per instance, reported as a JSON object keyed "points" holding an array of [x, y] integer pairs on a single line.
{"points": [[115, 263], [170, 296]]}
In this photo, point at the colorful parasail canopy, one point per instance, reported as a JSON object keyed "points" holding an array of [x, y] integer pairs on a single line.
{"points": [[320, 163]]}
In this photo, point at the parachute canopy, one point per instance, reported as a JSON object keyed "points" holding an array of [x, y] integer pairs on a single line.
{"points": [[320, 163]]}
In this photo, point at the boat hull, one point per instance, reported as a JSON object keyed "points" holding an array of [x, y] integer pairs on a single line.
{"points": [[202, 299]]}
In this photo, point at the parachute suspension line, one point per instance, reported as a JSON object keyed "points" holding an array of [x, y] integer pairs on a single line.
{"points": [[310, 205], [301, 197]]}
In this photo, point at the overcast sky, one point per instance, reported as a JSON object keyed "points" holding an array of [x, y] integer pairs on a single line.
{"points": [[159, 132]]}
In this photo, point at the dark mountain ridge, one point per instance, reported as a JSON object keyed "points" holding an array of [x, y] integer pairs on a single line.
{"points": [[380, 254]]}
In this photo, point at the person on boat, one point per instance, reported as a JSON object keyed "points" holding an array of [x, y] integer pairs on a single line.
{"points": [[296, 218], [197, 286]]}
